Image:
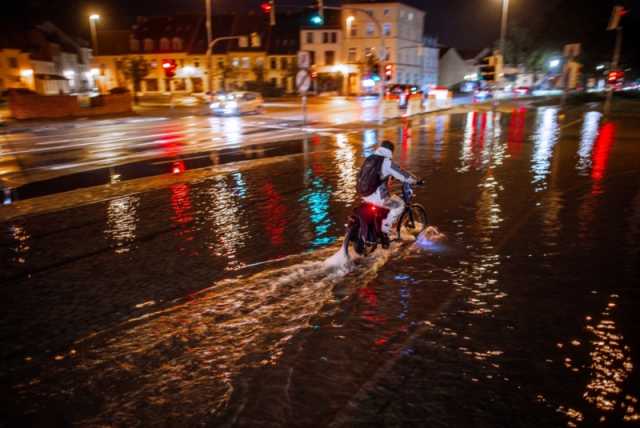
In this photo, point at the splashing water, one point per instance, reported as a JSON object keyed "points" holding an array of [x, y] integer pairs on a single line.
{"points": [[430, 239]]}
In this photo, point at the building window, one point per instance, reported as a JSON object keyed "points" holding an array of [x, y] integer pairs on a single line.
{"points": [[273, 64], [13, 62], [152, 85], [369, 12], [309, 37], [196, 64], [284, 64], [325, 37], [167, 85], [312, 57], [369, 28], [260, 62], [352, 55], [354, 30], [386, 12], [329, 57], [387, 54], [410, 16], [148, 45], [220, 63], [134, 45], [368, 52], [176, 44], [274, 81], [246, 62], [164, 44], [179, 84], [235, 62], [334, 37], [386, 29], [399, 76]]}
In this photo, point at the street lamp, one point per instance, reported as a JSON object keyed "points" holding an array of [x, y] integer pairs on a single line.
{"points": [[503, 29], [93, 18], [554, 63]]}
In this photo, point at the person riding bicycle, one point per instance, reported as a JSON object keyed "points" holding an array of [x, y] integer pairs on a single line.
{"points": [[373, 185]]}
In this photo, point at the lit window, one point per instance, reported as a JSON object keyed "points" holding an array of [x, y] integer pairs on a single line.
{"points": [[370, 29], [245, 62], [164, 44], [386, 29], [176, 44], [235, 62], [284, 63], [352, 55], [410, 16], [273, 64]]}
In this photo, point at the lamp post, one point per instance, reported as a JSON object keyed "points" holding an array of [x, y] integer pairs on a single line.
{"points": [[503, 28], [93, 18], [209, 42]]}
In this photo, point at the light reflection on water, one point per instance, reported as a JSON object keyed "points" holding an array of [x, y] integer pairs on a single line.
{"points": [[346, 163], [122, 220], [545, 137], [21, 247], [588, 137], [224, 212]]}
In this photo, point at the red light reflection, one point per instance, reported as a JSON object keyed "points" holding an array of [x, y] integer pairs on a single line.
{"points": [[602, 149], [275, 221], [516, 132]]}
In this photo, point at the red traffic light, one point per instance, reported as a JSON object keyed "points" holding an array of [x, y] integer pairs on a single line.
{"points": [[266, 7], [169, 66], [615, 76]]}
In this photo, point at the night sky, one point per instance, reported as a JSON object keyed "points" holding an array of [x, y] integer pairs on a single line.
{"points": [[458, 23]]}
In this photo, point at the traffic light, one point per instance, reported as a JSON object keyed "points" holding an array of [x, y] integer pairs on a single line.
{"points": [[169, 66], [388, 72], [615, 78], [268, 7], [317, 18], [488, 69]]}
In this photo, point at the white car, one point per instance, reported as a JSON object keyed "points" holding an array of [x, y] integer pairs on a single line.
{"points": [[237, 103]]}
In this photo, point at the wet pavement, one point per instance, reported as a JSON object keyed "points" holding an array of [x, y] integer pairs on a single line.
{"points": [[217, 299]]}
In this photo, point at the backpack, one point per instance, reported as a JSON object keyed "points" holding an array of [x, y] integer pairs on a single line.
{"points": [[369, 176]]}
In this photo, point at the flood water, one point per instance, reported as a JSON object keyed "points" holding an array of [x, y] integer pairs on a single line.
{"points": [[211, 302]]}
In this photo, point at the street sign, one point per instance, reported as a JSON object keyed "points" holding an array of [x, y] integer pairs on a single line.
{"points": [[303, 81], [304, 59], [572, 50]]}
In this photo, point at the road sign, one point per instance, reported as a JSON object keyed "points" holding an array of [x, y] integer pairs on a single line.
{"points": [[303, 81], [304, 59]]}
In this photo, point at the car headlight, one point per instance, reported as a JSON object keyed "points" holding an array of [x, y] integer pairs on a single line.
{"points": [[231, 104], [214, 105]]}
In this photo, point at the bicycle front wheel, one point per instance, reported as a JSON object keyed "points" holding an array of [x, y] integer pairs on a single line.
{"points": [[413, 220]]}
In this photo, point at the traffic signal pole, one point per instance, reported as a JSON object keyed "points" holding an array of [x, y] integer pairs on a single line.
{"points": [[614, 66]]}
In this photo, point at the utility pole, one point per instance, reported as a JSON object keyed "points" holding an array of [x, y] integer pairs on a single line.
{"points": [[209, 40], [94, 34], [503, 28]]}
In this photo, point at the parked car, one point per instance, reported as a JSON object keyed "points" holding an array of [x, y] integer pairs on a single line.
{"points": [[236, 103], [482, 94]]}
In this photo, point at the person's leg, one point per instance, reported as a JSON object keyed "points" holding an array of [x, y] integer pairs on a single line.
{"points": [[395, 205]]}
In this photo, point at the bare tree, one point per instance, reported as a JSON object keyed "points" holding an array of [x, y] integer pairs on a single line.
{"points": [[134, 70]]}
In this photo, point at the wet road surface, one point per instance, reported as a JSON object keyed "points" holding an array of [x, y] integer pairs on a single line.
{"points": [[217, 300]]}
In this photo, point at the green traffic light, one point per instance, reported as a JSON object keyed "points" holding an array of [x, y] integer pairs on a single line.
{"points": [[317, 20]]}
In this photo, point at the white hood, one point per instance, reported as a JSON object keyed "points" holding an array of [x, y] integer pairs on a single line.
{"points": [[383, 151]]}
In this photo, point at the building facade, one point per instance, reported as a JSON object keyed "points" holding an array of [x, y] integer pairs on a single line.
{"points": [[269, 58], [352, 43], [46, 60]]}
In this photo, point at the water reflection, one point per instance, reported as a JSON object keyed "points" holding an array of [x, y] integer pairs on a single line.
{"points": [[21, 247], [224, 211], [545, 137], [274, 214], [587, 138], [516, 131], [370, 141], [317, 197], [183, 213], [345, 160], [441, 128], [122, 220], [480, 137]]}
